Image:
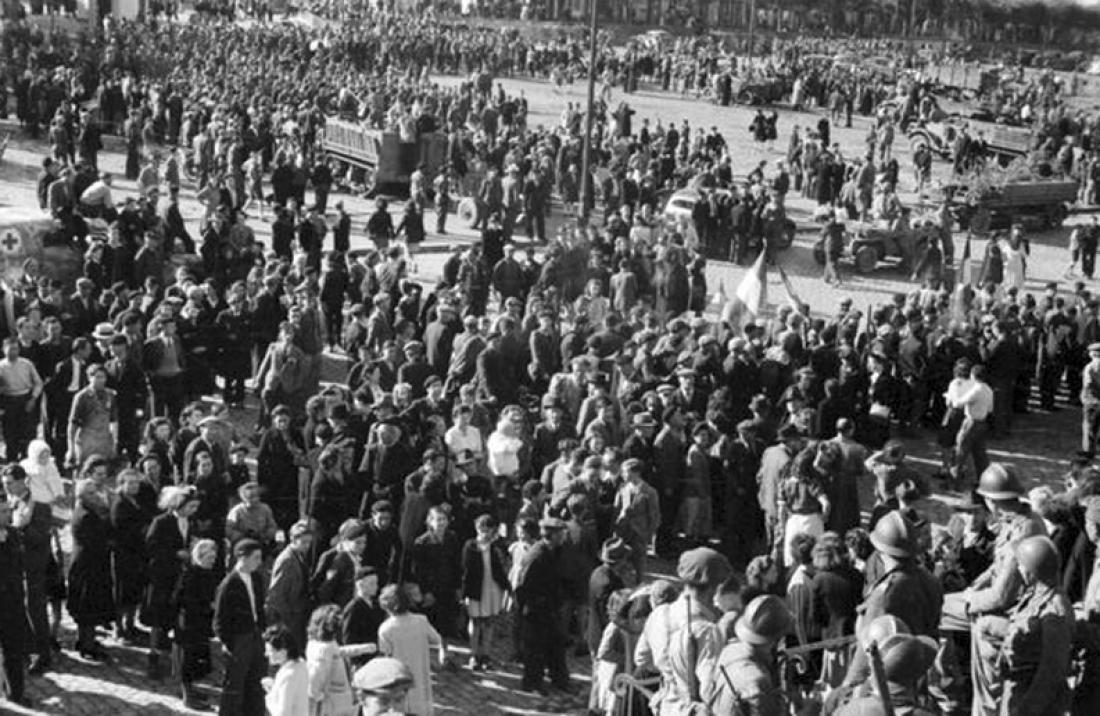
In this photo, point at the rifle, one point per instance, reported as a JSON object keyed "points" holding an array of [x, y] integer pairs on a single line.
{"points": [[693, 656], [879, 673]]}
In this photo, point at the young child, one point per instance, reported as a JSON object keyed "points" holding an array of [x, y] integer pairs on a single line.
{"points": [[484, 583]]}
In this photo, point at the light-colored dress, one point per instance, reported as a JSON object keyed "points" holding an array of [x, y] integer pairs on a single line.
{"points": [[1014, 266], [492, 596], [289, 694], [329, 680], [409, 638]]}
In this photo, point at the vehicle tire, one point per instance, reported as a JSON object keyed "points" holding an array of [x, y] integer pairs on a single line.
{"points": [[1056, 215], [468, 211], [784, 235], [819, 252], [866, 259]]}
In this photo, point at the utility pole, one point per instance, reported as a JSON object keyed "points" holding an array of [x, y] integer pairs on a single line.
{"points": [[586, 151]]}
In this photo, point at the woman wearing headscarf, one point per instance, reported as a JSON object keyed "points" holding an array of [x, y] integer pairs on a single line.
{"points": [[194, 593], [43, 477], [91, 599]]}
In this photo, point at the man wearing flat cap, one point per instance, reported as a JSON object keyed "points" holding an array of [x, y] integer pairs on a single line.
{"points": [[382, 685], [693, 614], [539, 598], [288, 595]]}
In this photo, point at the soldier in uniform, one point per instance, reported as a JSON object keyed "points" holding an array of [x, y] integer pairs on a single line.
{"points": [[994, 591], [906, 658], [690, 624], [858, 685], [1026, 652], [905, 590], [745, 678]]}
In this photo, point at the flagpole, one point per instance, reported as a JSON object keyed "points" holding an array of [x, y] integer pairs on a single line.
{"points": [[586, 152]]}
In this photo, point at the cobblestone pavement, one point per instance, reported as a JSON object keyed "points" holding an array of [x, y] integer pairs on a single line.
{"points": [[120, 688], [1040, 443]]}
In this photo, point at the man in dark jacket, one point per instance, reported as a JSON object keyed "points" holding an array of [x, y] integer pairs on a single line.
{"points": [[508, 277], [239, 624], [539, 598], [435, 562], [33, 522], [495, 378]]}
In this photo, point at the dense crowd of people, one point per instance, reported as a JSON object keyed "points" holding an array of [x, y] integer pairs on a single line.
{"points": [[517, 443]]}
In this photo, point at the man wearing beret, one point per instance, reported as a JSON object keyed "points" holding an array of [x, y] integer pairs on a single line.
{"points": [[693, 615]]}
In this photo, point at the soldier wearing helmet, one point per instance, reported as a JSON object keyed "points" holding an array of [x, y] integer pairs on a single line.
{"points": [[905, 590], [858, 684], [745, 677], [998, 589], [1027, 651], [906, 659]]}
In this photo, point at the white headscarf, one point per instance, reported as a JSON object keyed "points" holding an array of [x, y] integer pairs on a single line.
{"points": [[43, 478]]}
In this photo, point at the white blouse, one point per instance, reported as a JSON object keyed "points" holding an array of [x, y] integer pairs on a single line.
{"points": [[289, 694]]}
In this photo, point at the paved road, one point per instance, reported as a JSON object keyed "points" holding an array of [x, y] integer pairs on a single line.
{"points": [[1040, 442]]}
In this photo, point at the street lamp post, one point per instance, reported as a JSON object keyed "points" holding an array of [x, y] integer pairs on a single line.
{"points": [[586, 151]]}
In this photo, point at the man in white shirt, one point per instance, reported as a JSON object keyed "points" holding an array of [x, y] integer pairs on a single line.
{"points": [[976, 402]]}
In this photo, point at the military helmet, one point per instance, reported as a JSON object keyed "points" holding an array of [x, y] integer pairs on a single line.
{"points": [[882, 628], [1000, 482], [895, 535], [906, 657], [1038, 556], [766, 619]]}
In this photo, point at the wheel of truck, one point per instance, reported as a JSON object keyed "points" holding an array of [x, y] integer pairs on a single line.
{"points": [[785, 236], [819, 252], [468, 211], [1056, 215], [866, 259]]}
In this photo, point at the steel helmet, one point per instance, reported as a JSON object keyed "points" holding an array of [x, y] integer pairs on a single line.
{"points": [[1038, 556], [882, 628], [906, 657], [894, 535], [1000, 482], [766, 619]]}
